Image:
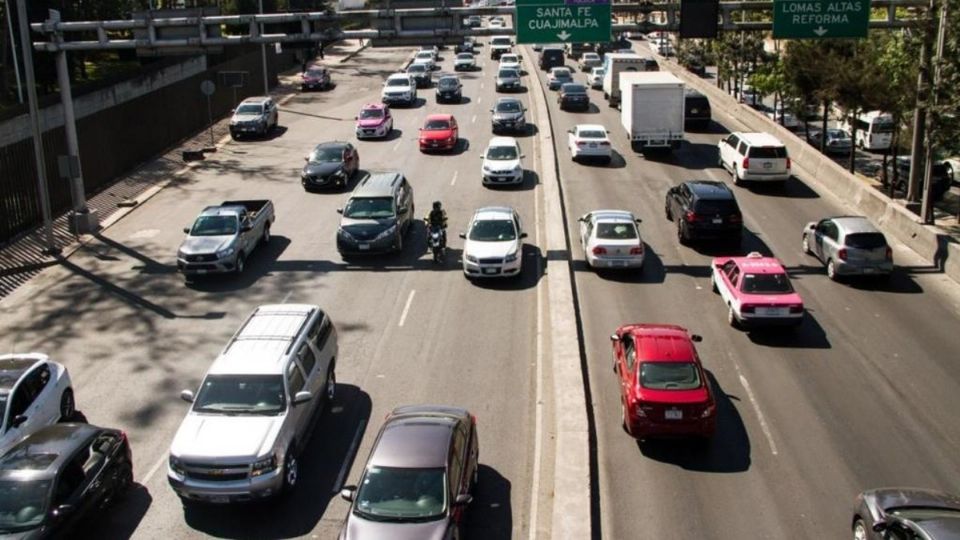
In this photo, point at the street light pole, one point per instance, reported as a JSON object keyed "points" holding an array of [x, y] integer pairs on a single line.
{"points": [[263, 56], [27, 51], [926, 205]]}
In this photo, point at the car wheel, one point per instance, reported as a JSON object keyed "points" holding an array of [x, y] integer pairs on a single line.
{"points": [[68, 407], [681, 236], [737, 181], [732, 318], [669, 214], [266, 234], [331, 385], [291, 471], [713, 284], [831, 270], [240, 263], [623, 418], [859, 530], [806, 245]]}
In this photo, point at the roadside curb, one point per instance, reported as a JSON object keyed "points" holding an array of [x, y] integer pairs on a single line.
{"points": [[572, 501]]}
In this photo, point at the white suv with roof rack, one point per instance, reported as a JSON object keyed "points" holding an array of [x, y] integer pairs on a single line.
{"points": [[754, 157], [256, 407]]}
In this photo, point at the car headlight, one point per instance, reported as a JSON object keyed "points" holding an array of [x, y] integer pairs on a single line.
{"points": [[264, 466], [486, 168], [181, 254], [387, 233], [226, 252], [518, 169], [344, 234], [339, 172], [176, 465], [512, 257], [470, 258]]}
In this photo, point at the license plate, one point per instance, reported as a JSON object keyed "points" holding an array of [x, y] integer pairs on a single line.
{"points": [[363, 247], [767, 165], [219, 499], [201, 271], [694, 111], [771, 311], [489, 270], [718, 220], [593, 145], [619, 263], [869, 270], [673, 414]]}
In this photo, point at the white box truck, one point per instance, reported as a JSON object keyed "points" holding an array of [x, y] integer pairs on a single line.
{"points": [[652, 109], [613, 65]]}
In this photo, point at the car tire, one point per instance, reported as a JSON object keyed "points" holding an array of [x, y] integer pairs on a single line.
{"points": [[241, 260], [667, 212], [291, 471], [265, 239], [68, 406], [732, 318], [331, 389], [681, 236], [806, 245], [832, 270], [859, 530], [623, 419], [737, 181], [713, 284]]}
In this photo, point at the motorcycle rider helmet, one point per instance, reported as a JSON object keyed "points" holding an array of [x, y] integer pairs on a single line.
{"points": [[436, 205]]}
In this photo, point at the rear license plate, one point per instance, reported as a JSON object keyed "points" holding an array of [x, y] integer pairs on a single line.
{"points": [[673, 414], [717, 220], [767, 165], [771, 311], [363, 247], [593, 145], [869, 270]]}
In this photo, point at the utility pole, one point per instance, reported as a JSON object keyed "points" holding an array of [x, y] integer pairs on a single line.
{"points": [[13, 52], [27, 50], [263, 56], [920, 112], [926, 206]]}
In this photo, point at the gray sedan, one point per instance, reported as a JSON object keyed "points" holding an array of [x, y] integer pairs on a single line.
{"points": [[848, 245], [907, 513]]}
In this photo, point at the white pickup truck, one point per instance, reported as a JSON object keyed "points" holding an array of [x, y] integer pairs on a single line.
{"points": [[222, 237]]}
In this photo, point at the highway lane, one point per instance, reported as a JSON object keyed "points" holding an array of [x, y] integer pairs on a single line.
{"points": [[133, 335], [861, 396]]}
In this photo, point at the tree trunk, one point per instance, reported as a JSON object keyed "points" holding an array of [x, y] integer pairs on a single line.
{"points": [[823, 126], [853, 138]]}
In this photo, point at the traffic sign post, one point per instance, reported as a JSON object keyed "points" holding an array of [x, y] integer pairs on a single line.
{"points": [[563, 21], [816, 19]]}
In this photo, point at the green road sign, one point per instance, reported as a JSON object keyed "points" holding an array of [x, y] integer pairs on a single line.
{"points": [[563, 21], [814, 19]]}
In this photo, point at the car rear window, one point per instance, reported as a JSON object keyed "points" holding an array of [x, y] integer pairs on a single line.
{"points": [[616, 231], [766, 284], [669, 375], [697, 102], [716, 206], [767, 152], [866, 240], [574, 89]]}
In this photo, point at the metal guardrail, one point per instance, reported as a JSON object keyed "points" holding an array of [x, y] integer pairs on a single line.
{"points": [[251, 25]]}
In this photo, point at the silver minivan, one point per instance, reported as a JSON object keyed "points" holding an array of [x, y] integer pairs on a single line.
{"points": [[848, 245]]}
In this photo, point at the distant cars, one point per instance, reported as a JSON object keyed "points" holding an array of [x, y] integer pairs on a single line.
{"points": [[315, 78], [375, 120], [56, 479], [696, 110], [439, 132], [782, 117], [754, 157], [551, 57], [500, 45], [756, 290], [399, 88], [573, 96], [449, 89], [589, 141], [426, 58], [704, 209], [510, 61], [664, 390], [906, 513], [35, 392], [508, 114], [749, 96], [610, 239], [377, 215], [419, 478], [468, 45], [507, 79], [939, 176], [502, 162], [848, 245], [558, 77], [589, 60], [330, 164], [838, 141], [595, 78], [464, 61], [494, 243], [421, 74], [254, 116]]}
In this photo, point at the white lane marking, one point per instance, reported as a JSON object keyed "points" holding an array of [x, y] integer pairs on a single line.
{"points": [[481, 86], [397, 145], [153, 470], [406, 308], [538, 392], [756, 408], [287, 297], [353, 450], [474, 119], [479, 99], [454, 181]]}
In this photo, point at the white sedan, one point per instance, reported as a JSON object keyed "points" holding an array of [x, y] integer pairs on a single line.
{"points": [[464, 62], [595, 79], [502, 162], [426, 58], [35, 392], [494, 243], [589, 141], [510, 61], [610, 239]]}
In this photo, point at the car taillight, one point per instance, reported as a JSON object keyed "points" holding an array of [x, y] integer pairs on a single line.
{"points": [[690, 216], [788, 163], [842, 254], [796, 308], [747, 308], [599, 250], [604, 143], [709, 410], [889, 253], [640, 409], [581, 143], [735, 218], [746, 163], [637, 250]]}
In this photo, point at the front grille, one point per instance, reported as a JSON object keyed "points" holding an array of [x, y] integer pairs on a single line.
{"points": [[490, 261], [201, 258], [216, 473]]}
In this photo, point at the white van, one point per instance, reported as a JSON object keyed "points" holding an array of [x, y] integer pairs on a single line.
{"points": [[613, 64], [874, 130]]}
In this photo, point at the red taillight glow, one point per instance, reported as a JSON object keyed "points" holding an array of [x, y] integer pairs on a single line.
{"points": [[604, 143], [690, 216], [842, 254], [889, 253], [746, 163], [581, 143], [636, 250], [788, 163], [599, 250], [746, 308], [735, 218], [709, 410], [797, 308]]}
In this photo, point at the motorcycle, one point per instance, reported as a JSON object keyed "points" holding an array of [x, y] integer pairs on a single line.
{"points": [[436, 243]]}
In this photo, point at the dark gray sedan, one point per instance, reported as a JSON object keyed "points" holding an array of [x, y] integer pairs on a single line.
{"points": [[419, 477], [907, 514]]}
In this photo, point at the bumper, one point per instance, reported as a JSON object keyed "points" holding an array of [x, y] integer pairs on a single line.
{"points": [[371, 133], [578, 104], [507, 178], [508, 125], [394, 100], [440, 144], [219, 266], [464, 67], [599, 152], [323, 183], [363, 247], [449, 97], [614, 262], [503, 87], [759, 320], [238, 131], [863, 269], [642, 428], [764, 177], [249, 489], [493, 270], [719, 232], [314, 85]]}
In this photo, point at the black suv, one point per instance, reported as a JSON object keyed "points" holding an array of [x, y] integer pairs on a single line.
{"points": [[696, 110], [704, 209], [449, 89], [551, 57], [377, 215], [939, 173]]}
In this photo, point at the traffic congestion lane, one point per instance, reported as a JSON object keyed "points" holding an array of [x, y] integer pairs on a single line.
{"points": [[808, 398], [121, 319]]}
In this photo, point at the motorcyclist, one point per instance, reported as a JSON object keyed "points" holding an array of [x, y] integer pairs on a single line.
{"points": [[438, 218]]}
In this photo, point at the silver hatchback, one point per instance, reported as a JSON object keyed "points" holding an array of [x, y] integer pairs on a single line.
{"points": [[848, 245]]}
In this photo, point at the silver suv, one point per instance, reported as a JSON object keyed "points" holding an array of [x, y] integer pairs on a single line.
{"points": [[254, 116], [848, 245], [256, 407]]}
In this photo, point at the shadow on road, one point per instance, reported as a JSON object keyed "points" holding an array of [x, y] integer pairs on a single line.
{"points": [[122, 520], [490, 516]]}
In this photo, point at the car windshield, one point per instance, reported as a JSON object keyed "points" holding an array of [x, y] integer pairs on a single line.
{"points": [[508, 106], [327, 154], [837, 134], [465, 56], [574, 89], [591, 56], [369, 208], [493, 230], [425, 54], [417, 68], [434, 125], [23, 505], [504, 73], [509, 59], [669, 375], [315, 73], [500, 41], [865, 241], [448, 82], [249, 108], [241, 394], [502, 153], [402, 494], [561, 74], [616, 231], [368, 114], [592, 134], [766, 284], [214, 226], [398, 82]]}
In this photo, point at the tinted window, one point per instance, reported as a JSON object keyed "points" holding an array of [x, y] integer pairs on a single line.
{"points": [[502, 153], [241, 394], [371, 113], [574, 89], [716, 206], [506, 73], [307, 360], [23, 505], [369, 208], [417, 68], [328, 154], [766, 284], [697, 102], [326, 329], [294, 379], [508, 106], [398, 82], [448, 83], [249, 108], [616, 231], [493, 230], [399, 494], [669, 375], [214, 226], [437, 125], [768, 152], [592, 134], [865, 240], [500, 41]]}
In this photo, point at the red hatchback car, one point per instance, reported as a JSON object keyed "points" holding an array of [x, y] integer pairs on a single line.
{"points": [[439, 132], [664, 391]]}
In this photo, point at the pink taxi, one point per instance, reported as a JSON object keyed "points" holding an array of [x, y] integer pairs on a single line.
{"points": [[374, 121], [756, 290]]}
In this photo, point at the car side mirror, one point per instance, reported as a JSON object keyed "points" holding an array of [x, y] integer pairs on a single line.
{"points": [[18, 420], [582, 219], [880, 526], [522, 156], [339, 210], [523, 235], [246, 228], [302, 397], [463, 499], [696, 338], [187, 396], [463, 235], [402, 209], [356, 117], [61, 511], [347, 493], [306, 158], [614, 337], [570, 131], [186, 230], [232, 111], [638, 220]]}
